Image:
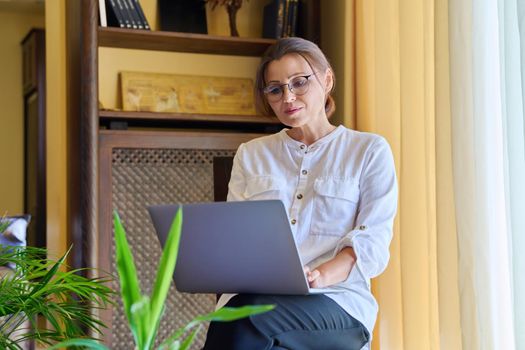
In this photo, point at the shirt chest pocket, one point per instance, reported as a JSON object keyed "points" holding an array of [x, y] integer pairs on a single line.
{"points": [[263, 187], [335, 206]]}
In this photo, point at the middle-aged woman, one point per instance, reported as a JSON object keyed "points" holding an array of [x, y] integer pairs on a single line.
{"points": [[339, 188]]}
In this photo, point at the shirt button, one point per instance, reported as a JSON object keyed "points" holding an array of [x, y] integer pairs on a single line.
{"points": [[293, 221], [304, 172], [303, 146], [299, 196], [362, 227]]}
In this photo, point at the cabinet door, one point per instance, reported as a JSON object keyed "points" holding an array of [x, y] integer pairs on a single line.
{"points": [[33, 53], [142, 168]]}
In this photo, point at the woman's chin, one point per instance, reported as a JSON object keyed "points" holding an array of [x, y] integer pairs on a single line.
{"points": [[292, 121]]}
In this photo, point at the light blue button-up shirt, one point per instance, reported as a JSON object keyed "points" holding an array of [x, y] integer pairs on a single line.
{"points": [[340, 191]]}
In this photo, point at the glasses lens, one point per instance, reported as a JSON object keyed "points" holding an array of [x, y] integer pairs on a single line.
{"points": [[299, 85], [273, 92]]}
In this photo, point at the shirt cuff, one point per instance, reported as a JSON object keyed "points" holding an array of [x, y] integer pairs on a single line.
{"points": [[349, 241]]}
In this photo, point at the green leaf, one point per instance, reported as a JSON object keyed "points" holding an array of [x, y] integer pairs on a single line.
{"points": [[3, 225], [49, 275], [89, 343], [175, 336], [232, 313], [129, 284], [140, 312], [189, 340], [224, 314], [165, 273], [175, 345]]}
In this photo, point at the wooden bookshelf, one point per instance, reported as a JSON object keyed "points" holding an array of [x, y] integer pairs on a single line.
{"points": [[182, 42]]}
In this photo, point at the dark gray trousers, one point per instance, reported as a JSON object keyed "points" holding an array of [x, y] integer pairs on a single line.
{"points": [[298, 322]]}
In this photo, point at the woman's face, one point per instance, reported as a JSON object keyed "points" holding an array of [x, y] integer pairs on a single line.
{"points": [[305, 107]]}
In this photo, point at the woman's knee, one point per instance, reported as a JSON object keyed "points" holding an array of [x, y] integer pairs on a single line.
{"points": [[250, 299], [240, 334]]}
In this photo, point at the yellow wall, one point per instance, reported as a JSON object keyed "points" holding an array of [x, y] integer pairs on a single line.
{"points": [[56, 127], [14, 25]]}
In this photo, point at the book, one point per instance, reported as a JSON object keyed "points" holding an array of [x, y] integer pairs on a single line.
{"points": [[114, 17], [308, 20], [102, 13], [141, 15], [187, 16], [285, 33], [293, 17], [124, 14], [273, 17], [129, 14], [134, 14]]}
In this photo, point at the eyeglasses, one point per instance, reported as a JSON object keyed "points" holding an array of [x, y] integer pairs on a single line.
{"points": [[297, 86]]}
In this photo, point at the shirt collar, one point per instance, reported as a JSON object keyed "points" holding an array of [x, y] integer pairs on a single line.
{"points": [[290, 142]]}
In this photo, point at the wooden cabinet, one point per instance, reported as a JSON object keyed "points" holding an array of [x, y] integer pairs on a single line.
{"points": [[170, 158], [85, 120], [34, 85]]}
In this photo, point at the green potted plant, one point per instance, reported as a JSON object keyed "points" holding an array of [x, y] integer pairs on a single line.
{"points": [[38, 286], [144, 312]]}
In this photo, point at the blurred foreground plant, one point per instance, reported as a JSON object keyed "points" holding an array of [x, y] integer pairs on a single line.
{"points": [[144, 312], [37, 286]]}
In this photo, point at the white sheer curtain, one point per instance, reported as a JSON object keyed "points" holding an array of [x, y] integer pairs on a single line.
{"points": [[487, 57], [512, 33]]}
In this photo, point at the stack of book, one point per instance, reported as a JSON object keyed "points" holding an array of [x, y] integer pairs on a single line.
{"points": [[280, 19], [302, 18], [186, 16], [122, 14]]}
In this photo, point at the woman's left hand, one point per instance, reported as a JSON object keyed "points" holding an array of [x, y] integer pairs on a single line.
{"points": [[333, 271]]}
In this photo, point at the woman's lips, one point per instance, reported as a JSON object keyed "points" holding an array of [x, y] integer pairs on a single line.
{"points": [[291, 111]]}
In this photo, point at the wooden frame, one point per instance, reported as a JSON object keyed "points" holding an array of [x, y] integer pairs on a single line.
{"points": [[90, 147], [183, 42], [83, 125], [34, 84], [110, 140]]}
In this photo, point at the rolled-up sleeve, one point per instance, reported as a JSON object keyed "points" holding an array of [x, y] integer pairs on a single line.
{"points": [[372, 233]]}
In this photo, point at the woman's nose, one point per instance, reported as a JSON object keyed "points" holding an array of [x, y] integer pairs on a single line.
{"points": [[288, 96]]}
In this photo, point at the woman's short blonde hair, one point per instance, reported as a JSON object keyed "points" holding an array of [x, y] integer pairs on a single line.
{"points": [[306, 49]]}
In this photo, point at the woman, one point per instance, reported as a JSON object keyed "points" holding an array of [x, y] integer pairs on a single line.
{"points": [[339, 187]]}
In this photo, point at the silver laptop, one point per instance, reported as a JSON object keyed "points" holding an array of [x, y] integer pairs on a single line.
{"points": [[235, 247]]}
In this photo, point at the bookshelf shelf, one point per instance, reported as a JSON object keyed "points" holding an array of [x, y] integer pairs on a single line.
{"points": [[158, 116], [181, 42]]}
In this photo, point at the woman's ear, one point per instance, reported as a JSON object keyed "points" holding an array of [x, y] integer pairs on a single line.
{"points": [[329, 80]]}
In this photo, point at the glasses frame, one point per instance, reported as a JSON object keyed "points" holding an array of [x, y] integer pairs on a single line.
{"points": [[290, 88]]}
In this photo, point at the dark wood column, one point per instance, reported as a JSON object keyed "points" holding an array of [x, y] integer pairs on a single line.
{"points": [[82, 139]]}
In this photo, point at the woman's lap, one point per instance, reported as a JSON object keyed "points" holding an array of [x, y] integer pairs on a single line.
{"points": [[297, 322]]}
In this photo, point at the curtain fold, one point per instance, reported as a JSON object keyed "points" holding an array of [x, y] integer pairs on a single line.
{"points": [[443, 82], [396, 89], [512, 57], [402, 93], [486, 101]]}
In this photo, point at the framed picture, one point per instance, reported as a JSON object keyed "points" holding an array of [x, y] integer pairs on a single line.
{"points": [[159, 92]]}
